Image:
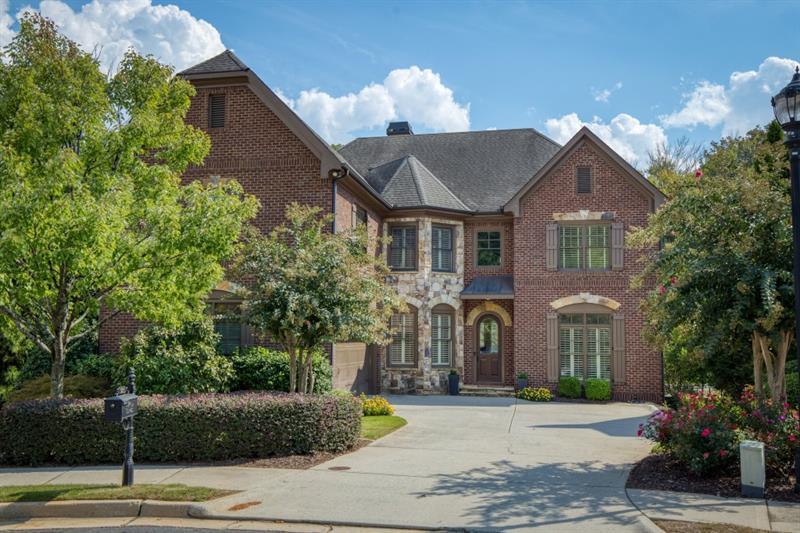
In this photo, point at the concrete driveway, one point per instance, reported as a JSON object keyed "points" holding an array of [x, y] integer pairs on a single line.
{"points": [[474, 463]]}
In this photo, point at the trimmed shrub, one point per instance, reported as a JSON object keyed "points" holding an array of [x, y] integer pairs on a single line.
{"points": [[76, 386], [540, 394], [376, 406], [202, 427], [598, 389], [259, 368], [104, 366], [176, 361], [776, 425], [569, 387]]}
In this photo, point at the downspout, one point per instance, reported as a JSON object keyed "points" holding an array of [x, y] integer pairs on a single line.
{"points": [[335, 174]]}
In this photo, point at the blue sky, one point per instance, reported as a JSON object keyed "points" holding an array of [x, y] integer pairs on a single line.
{"points": [[638, 73]]}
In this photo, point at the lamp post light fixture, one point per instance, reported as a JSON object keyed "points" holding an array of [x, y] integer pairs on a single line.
{"points": [[786, 105]]}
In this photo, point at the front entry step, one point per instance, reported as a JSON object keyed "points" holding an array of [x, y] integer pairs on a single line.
{"points": [[487, 390]]}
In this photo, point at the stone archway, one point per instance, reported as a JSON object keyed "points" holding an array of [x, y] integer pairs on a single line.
{"points": [[488, 307], [583, 299]]}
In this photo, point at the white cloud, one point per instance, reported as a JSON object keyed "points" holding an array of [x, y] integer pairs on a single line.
{"points": [[168, 32], [629, 137], [6, 21], [739, 106], [413, 94], [603, 95]]}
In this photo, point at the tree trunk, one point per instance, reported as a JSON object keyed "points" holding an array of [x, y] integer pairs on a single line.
{"points": [[303, 386], [57, 369], [310, 372], [292, 350], [758, 365], [775, 362]]}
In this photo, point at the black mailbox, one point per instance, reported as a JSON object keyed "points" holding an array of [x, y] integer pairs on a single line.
{"points": [[121, 407]]}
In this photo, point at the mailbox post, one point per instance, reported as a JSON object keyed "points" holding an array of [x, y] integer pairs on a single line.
{"points": [[122, 408]]}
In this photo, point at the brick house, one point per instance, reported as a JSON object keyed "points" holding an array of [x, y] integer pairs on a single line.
{"points": [[507, 247]]}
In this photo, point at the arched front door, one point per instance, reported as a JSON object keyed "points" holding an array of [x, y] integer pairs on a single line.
{"points": [[488, 352]]}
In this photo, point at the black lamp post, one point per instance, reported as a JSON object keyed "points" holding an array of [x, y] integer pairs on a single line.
{"points": [[786, 105]]}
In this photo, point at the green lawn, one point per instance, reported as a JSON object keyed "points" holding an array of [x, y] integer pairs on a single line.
{"points": [[375, 427], [173, 493]]}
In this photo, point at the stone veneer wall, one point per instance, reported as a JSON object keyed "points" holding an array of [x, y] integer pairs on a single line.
{"points": [[424, 289]]}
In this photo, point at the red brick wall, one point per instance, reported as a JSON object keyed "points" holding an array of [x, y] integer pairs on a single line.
{"points": [[470, 343], [506, 267], [535, 287], [345, 202], [259, 151]]}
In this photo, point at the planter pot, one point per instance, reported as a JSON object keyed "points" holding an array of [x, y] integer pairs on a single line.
{"points": [[522, 383], [452, 382]]}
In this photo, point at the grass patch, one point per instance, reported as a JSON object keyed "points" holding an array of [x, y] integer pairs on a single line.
{"points": [[375, 427], [170, 493]]}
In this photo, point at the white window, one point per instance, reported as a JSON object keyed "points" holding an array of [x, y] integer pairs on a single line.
{"points": [[585, 345], [441, 337], [402, 350]]}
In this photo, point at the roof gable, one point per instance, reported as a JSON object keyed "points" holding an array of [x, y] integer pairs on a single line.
{"points": [[513, 205], [225, 62]]}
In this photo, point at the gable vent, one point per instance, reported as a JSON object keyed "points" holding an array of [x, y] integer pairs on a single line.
{"points": [[216, 111], [584, 179]]}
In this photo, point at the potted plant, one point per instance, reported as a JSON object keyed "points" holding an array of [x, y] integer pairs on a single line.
{"points": [[452, 382], [522, 380]]}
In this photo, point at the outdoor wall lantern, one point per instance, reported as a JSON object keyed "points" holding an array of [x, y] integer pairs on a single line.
{"points": [[786, 105], [122, 408]]}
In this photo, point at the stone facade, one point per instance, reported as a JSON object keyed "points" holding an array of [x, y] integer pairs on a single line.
{"points": [[424, 289]]}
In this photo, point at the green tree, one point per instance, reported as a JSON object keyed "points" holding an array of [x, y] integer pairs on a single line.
{"points": [[724, 273], [92, 210], [307, 286]]}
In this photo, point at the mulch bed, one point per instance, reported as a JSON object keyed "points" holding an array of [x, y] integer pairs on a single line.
{"points": [[662, 472], [294, 462]]}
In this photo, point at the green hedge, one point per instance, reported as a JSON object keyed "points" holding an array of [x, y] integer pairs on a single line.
{"points": [[259, 368], [569, 387], [598, 389], [179, 428]]}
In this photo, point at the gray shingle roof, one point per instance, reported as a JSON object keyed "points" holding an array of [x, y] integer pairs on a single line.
{"points": [[494, 286], [405, 182], [483, 169], [224, 62]]}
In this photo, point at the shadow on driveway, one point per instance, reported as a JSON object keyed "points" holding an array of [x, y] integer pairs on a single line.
{"points": [[618, 427], [583, 494]]}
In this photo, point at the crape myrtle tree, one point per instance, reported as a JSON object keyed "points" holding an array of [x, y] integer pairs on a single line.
{"points": [[305, 286], [92, 210], [724, 271]]}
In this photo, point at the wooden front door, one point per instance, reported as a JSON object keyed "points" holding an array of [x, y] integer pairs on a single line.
{"points": [[488, 351]]}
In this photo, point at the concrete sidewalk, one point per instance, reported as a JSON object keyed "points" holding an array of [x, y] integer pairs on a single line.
{"points": [[747, 512]]}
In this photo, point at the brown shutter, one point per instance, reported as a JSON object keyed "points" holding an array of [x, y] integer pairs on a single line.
{"points": [[618, 343], [551, 332], [617, 245], [551, 244]]}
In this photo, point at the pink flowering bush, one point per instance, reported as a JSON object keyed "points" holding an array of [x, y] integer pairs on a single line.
{"points": [[705, 430], [777, 425], [702, 432]]}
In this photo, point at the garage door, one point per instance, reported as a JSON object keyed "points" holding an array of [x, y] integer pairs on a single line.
{"points": [[354, 367]]}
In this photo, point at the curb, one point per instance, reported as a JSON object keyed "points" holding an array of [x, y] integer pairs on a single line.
{"points": [[72, 509]]}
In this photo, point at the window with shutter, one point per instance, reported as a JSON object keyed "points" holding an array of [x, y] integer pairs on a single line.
{"points": [[216, 111], [488, 248], [403, 249], [584, 247], [403, 348], [359, 216], [442, 248], [441, 337], [585, 345], [583, 179]]}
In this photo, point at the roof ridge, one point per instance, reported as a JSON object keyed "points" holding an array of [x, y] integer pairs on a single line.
{"points": [[414, 177], [440, 182]]}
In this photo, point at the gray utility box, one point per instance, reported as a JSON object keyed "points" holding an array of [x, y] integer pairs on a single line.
{"points": [[121, 407]]}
